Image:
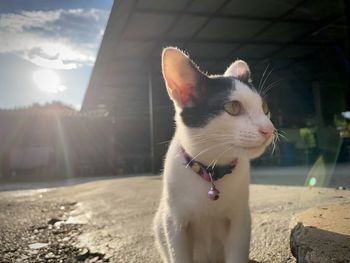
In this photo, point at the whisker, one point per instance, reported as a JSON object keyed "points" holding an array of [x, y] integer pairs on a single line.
{"points": [[262, 77], [212, 138], [268, 75], [283, 136], [164, 142], [203, 141], [273, 148], [282, 131], [277, 137], [221, 154], [203, 151], [205, 138], [208, 136], [274, 141], [270, 86]]}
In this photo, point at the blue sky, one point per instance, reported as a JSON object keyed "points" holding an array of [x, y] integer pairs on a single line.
{"points": [[48, 49]]}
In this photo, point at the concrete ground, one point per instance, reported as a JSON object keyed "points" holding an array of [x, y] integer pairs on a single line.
{"points": [[116, 215], [322, 234]]}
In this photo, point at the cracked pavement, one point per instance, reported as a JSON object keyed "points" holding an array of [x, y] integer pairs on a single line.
{"points": [[112, 219]]}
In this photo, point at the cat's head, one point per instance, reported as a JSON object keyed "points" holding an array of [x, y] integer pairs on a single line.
{"points": [[222, 115]]}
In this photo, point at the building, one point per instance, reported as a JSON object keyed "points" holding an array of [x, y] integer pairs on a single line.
{"points": [[301, 46], [54, 141]]}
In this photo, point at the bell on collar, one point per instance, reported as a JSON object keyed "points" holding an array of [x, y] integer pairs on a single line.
{"points": [[213, 193]]}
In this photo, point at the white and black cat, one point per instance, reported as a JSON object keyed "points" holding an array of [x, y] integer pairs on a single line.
{"points": [[221, 123]]}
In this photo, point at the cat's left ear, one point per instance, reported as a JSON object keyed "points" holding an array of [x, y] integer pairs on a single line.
{"points": [[240, 70], [181, 76]]}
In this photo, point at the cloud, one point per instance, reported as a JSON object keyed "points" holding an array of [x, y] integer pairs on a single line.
{"points": [[57, 39]]}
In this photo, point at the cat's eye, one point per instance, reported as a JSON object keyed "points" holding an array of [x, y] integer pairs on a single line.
{"points": [[265, 107], [233, 108]]}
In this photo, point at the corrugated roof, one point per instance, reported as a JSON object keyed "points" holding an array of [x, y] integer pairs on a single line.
{"points": [[214, 33]]}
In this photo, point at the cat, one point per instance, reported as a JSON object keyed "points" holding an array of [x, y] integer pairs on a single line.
{"points": [[221, 124]]}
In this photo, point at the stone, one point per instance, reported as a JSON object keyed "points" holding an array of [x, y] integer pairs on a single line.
{"points": [[94, 259], [38, 245], [83, 253], [321, 235], [65, 239], [58, 224], [50, 255], [24, 257], [33, 252], [54, 220]]}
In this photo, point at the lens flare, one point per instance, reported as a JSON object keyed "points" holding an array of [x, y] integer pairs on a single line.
{"points": [[312, 181]]}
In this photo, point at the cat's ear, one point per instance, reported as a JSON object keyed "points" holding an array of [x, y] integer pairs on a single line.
{"points": [[181, 76], [239, 69]]}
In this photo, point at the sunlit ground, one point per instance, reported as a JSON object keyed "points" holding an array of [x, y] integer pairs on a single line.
{"points": [[319, 175]]}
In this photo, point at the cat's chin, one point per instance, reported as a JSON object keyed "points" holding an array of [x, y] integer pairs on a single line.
{"points": [[255, 152]]}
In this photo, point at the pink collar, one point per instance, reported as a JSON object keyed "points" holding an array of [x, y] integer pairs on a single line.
{"points": [[209, 173]]}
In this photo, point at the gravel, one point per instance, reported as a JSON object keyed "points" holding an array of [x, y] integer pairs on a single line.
{"points": [[35, 231]]}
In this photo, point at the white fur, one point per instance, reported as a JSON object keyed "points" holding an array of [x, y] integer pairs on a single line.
{"points": [[188, 226]]}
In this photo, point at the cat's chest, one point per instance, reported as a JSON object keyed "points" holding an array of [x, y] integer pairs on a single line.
{"points": [[208, 234], [188, 192]]}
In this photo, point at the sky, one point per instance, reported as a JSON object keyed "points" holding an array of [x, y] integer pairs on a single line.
{"points": [[48, 49]]}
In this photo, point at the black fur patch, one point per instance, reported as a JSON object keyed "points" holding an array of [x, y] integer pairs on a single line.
{"points": [[212, 94]]}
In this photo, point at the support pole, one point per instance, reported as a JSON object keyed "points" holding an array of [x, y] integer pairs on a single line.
{"points": [[151, 122], [347, 51], [318, 104]]}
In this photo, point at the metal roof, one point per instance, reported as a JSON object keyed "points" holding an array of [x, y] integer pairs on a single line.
{"points": [[214, 33], [303, 41]]}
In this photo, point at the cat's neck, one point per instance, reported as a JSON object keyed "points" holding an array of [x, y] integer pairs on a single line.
{"points": [[207, 152]]}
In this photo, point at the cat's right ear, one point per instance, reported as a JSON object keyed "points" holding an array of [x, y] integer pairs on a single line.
{"points": [[240, 70], [181, 76]]}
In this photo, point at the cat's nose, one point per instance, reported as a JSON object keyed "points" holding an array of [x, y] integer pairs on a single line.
{"points": [[267, 131]]}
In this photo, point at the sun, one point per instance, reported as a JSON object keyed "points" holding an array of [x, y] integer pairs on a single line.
{"points": [[48, 81]]}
